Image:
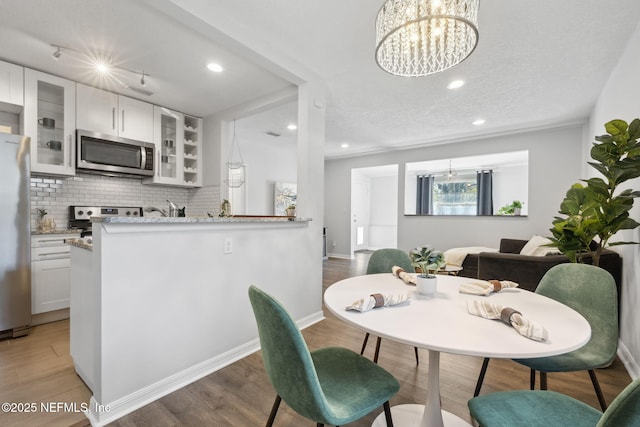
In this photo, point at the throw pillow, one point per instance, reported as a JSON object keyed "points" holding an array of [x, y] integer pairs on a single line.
{"points": [[534, 247]]}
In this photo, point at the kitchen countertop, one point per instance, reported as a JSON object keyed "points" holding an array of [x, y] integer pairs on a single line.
{"points": [[82, 242], [202, 220]]}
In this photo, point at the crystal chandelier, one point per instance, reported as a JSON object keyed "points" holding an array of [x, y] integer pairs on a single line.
{"points": [[421, 37]]}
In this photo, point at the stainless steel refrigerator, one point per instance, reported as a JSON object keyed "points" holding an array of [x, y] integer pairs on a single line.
{"points": [[15, 236]]}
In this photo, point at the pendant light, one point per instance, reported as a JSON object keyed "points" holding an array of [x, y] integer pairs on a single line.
{"points": [[235, 162], [421, 37]]}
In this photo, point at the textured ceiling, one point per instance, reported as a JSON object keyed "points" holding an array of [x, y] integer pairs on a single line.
{"points": [[537, 64]]}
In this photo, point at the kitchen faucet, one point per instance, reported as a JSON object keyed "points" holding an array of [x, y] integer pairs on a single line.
{"points": [[154, 209], [173, 209]]}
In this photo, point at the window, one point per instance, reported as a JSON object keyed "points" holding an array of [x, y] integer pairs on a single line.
{"points": [[457, 196]]}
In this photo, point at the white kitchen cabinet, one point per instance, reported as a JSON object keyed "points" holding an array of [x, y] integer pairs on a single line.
{"points": [[112, 114], [11, 83], [178, 147], [50, 272], [135, 119], [50, 121], [168, 139]]}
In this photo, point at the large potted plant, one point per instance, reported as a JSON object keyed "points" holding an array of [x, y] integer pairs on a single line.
{"points": [[428, 261], [595, 212]]}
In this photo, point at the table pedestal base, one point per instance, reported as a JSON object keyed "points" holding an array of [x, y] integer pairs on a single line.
{"points": [[410, 415]]}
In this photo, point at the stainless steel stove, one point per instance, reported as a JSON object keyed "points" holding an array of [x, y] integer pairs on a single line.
{"points": [[80, 216]]}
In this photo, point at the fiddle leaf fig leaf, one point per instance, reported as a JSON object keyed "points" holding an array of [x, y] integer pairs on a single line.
{"points": [[634, 129], [616, 127]]}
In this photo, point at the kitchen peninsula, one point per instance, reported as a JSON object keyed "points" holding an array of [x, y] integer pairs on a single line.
{"points": [[157, 303]]}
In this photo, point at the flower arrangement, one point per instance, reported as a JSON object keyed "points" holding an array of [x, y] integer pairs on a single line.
{"points": [[427, 259]]}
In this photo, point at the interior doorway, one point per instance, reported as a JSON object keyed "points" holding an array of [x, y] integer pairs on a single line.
{"points": [[374, 208]]}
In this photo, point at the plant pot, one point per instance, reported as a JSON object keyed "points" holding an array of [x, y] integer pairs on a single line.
{"points": [[426, 285]]}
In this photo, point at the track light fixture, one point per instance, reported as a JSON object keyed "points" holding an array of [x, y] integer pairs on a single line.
{"points": [[104, 65], [57, 53]]}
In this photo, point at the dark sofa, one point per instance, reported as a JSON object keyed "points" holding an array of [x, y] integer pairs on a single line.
{"points": [[509, 264]]}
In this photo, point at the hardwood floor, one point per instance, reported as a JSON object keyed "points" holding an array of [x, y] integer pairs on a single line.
{"points": [[38, 368]]}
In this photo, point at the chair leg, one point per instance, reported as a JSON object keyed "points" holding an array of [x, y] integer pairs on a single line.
{"points": [[483, 371], [417, 358], [387, 413], [596, 387], [274, 410], [375, 355], [543, 380], [532, 380], [364, 343]]}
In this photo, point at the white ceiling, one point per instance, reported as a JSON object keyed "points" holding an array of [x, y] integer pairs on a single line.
{"points": [[538, 64]]}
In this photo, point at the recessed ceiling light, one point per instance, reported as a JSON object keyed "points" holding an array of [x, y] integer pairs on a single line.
{"points": [[344, 145], [478, 122], [216, 68], [455, 84], [292, 126]]}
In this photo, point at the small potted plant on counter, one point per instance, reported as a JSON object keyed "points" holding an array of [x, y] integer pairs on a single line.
{"points": [[291, 210], [428, 261], [515, 208]]}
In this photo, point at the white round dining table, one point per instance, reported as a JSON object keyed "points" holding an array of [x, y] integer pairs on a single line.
{"points": [[441, 323]]}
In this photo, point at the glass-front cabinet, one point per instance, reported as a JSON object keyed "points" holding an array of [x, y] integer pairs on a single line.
{"points": [[168, 141], [49, 119], [177, 140]]}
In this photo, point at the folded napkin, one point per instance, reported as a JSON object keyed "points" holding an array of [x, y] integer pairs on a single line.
{"points": [[510, 316], [378, 300], [401, 274], [485, 288]]}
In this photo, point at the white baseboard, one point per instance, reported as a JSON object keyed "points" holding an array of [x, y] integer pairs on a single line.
{"points": [[628, 361], [49, 316], [103, 414]]}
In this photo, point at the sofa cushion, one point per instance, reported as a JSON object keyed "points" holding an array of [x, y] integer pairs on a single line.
{"points": [[535, 247]]}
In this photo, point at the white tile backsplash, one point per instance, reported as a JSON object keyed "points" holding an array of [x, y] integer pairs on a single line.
{"points": [[55, 195]]}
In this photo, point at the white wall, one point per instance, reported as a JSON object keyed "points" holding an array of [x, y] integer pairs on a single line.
{"points": [[619, 100], [383, 217], [509, 184], [554, 164], [264, 166]]}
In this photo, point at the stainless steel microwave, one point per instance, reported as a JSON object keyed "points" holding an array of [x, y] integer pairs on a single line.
{"points": [[112, 155]]}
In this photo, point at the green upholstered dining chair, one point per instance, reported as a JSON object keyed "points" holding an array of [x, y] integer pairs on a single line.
{"points": [[538, 408], [381, 261], [332, 385], [591, 291]]}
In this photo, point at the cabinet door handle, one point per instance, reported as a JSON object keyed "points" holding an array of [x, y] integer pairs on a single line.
{"points": [[70, 150], [55, 255], [113, 118], [123, 120]]}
